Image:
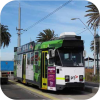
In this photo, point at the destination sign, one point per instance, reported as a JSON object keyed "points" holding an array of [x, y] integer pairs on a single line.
{"points": [[26, 48]]}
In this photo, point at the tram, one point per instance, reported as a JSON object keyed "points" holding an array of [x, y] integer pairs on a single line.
{"points": [[52, 65]]}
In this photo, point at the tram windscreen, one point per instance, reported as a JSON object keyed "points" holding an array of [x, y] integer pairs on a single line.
{"points": [[71, 58]]}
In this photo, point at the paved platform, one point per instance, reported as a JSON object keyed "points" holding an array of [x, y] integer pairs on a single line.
{"points": [[13, 91]]}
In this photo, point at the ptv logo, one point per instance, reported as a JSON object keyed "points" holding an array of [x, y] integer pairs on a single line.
{"points": [[74, 77]]}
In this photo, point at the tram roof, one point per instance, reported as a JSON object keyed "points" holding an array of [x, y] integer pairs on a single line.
{"points": [[49, 44]]}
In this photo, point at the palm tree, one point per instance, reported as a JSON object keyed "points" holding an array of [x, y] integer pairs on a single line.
{"points": [[46, 35], [94, 16], [5, 36]]}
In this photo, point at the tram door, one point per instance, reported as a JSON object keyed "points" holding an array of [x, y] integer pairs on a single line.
{"points": [[24, 69], [44, 69]]}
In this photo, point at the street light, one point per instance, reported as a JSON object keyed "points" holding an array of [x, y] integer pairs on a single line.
{"points": [[94, 39], [97, 42], [83, 23]]}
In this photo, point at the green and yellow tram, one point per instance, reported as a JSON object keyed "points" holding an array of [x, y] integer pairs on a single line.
{"points": [[51, 65]]}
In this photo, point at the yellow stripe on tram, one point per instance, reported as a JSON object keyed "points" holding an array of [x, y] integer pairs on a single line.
{"points": [[60, 78]]}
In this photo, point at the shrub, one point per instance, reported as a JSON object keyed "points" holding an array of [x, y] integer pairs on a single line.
{"points": [[91, 78]]}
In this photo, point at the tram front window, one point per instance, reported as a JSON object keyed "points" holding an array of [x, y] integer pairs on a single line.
{"points": [[71, 58]]}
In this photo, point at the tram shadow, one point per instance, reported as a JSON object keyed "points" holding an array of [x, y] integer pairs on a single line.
{"points": [[66, 91], [8, 83], [31, 85]]}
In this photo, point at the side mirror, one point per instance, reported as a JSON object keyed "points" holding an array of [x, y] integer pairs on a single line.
{"points": [[84, 53], [51, 53], [48, 56]]}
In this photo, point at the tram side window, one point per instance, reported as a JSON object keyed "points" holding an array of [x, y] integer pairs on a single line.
{"points": [[20, 58], [15, 60], [36, 58], [28, 58], [32, 58]]}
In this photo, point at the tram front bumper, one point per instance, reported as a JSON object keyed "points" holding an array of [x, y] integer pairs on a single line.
{"points": [[70, 85]]}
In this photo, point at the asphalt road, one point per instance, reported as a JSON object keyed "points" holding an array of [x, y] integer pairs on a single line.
{"points": [[16, 90], [92, 84]]}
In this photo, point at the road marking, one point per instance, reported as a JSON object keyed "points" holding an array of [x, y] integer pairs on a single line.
{"points": [[36, 91]]}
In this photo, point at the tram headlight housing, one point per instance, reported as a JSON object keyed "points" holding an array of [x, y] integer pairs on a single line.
{"points": [[67, 78], [81, 78]]}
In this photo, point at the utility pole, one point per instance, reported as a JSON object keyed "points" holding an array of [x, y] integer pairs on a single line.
{"points": [[88, 61], [19, 27]]}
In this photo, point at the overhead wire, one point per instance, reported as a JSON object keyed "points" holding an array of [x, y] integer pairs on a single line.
{"points": [[79, 29], [82, 31], [47, 15]]}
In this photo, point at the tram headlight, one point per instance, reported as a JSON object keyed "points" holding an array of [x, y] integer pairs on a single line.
{"points": [[67, 78], [81, 77]]}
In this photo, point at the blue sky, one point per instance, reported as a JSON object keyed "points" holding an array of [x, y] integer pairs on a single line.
{"points": [[32, 11]]}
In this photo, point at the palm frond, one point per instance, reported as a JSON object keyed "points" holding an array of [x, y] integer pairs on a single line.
{"points": [[46, 35], [5, 35], [93, 14]]}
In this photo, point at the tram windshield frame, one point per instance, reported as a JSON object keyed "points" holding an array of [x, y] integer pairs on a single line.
{"points": [[69, 57]]}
